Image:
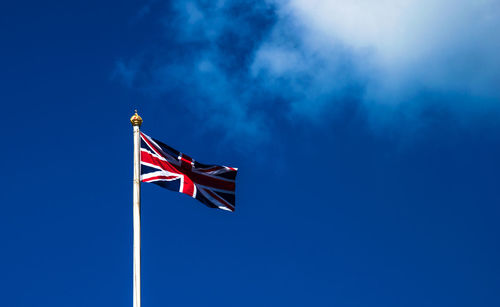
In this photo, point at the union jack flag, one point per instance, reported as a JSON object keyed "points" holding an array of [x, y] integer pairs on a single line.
{"points": [[213, 185]]}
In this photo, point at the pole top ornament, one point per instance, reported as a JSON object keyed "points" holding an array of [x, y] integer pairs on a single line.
{"points": [[136, 120]]}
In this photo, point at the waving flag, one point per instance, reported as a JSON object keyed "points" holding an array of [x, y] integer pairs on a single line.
{"points": [[213, 185]]}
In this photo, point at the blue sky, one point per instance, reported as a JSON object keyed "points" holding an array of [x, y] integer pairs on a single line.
{"points": [[366, 136]]}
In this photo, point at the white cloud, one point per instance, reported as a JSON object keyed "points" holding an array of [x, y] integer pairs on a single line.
{"points": [[384, 54], [440, 45]]}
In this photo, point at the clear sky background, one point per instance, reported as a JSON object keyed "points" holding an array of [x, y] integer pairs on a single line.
{"points": [[366, 134]]}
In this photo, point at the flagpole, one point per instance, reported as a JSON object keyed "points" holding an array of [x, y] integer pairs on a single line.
{"points": [[136, 121]]}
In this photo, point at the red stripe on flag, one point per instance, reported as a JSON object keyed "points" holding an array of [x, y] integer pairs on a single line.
{"points": [[195, 177], [212, 182], [149, 158], [159, 178], [186, 162], [188, 186]]}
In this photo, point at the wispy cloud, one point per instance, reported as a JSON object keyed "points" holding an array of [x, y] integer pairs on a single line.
{"points": [[243, 60], [440, 45]]}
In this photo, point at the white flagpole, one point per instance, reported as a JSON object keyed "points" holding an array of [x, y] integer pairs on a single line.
{"points": [[136, 121]]}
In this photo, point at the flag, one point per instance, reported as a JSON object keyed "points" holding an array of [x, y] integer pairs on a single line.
{"points": [[213, 185]]}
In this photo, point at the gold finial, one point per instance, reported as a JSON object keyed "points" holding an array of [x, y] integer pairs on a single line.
{"points": [[136, 120]]}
